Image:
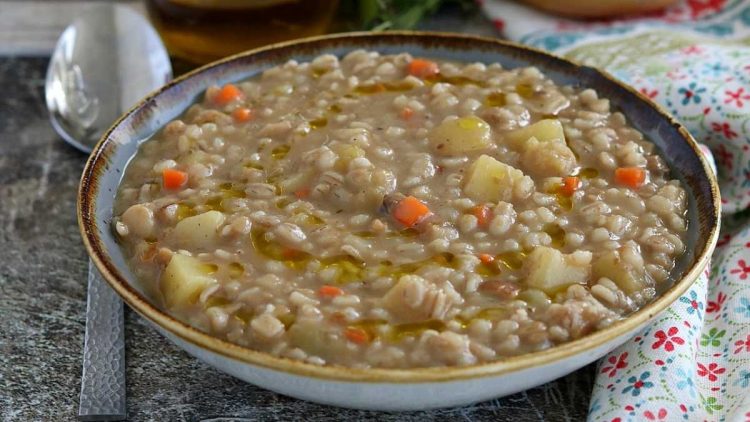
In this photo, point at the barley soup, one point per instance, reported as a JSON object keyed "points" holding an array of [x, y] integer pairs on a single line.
{"points": [[398, 212]]}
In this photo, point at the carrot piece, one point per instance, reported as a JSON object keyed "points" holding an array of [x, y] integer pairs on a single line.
{"points": [[633, 177], [410, 211], [356, 335], [289, 253], [242, 115], [486, 258], [227, 94], [173, 179], [483, 213], [302, 193], [406, 113], [423, 68], [330, 291], [570, 185]]}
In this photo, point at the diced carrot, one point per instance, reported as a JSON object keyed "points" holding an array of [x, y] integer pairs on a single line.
{"points": [[356, 335], [406, 113], [410, 211], [330, 291], [289, 253], [173, 179], [486, 258], [423, 68], [630, 176], [483, 213], [570, 185], [227, 94], [302, 193], [242, 115]]}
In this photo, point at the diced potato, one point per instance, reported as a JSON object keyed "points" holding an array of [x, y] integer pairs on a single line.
{"points": [[199, 231], [547, 159], [551, 271], [543, 130], [628, 277], [184, 279], [489, 180], [313, 338], [460, 135], [346, 153]]}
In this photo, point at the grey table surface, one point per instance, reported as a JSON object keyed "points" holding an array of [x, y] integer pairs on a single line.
{"points": [[43, 302]]}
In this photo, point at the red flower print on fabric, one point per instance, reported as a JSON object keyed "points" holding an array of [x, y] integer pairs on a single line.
{"points": [[668, 339], [715, 306], [725, 129], [711, 371], [736, 97], [660, 415], [615, 363], [742, 345], [725, 157], [649, 93], [743, 269], [723, 240]]}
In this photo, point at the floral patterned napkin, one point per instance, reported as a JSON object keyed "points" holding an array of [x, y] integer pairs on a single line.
{"points": [[693, 362]]}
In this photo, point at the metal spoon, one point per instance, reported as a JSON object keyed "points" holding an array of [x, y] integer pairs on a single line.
{"points": [[103, 63]]}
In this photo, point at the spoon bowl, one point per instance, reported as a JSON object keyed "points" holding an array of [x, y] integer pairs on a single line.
{"points": [[103, 63]]}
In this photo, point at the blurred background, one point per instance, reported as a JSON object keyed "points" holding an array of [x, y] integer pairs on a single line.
{"points": [[199, 31]]}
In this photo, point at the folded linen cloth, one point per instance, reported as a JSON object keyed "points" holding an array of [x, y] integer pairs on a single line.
{"points": [[693, 362]]}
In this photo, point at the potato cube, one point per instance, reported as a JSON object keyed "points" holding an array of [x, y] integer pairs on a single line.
{"points": [[489, 180], [458, 136], [199, 231], [548, 159], [184, 279], [544, 130], [630, 278], [346, 153], [315, 339], [551, 271]]}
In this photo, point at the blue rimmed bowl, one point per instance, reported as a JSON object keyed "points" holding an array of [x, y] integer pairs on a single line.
{"points": [[391, 389]]}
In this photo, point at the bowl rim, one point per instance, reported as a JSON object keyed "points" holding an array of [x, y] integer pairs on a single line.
{"points": [[86, 209]]}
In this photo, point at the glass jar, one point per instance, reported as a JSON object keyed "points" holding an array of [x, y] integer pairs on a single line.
{"points": [[200, 31]]}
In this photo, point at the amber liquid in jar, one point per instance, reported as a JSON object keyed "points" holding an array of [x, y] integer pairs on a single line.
{"points": [[200, 31]]}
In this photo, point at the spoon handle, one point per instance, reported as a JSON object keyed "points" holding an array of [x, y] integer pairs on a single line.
{"points": [[103, 381]]}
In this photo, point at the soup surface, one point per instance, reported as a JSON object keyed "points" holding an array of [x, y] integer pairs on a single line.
{"points": [[392, 211]]}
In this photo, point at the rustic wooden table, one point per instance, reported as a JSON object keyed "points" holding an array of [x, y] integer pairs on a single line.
{"points": [[43, 274]]}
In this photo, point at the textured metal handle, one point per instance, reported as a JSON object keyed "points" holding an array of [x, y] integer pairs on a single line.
{"points": [[103, 381]]}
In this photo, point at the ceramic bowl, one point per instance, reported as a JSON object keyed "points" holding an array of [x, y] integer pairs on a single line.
{"points": [[389, 389]]}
